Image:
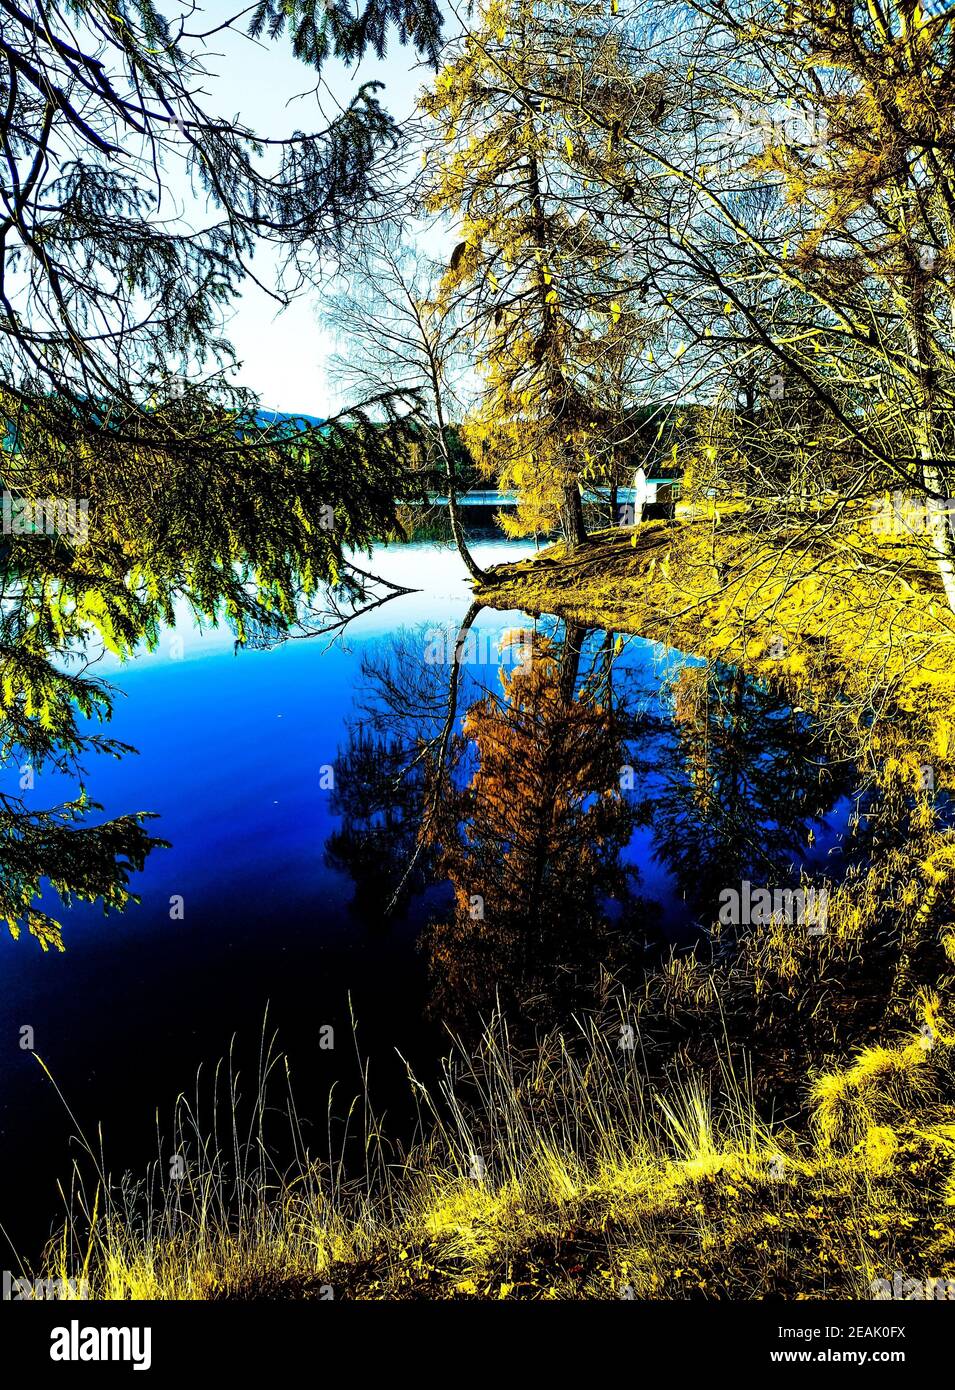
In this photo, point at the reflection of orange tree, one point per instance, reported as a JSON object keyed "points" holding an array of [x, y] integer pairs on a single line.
{"points": [[532, 845]]}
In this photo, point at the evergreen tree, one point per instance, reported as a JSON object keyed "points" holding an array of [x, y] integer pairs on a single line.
{"points": [[523, 108]]}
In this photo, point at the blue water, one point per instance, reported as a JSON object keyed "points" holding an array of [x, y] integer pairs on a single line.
{"points": [[231, 752]]}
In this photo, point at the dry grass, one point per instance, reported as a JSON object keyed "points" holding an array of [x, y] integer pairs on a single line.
{"points": [[556, 1173]]}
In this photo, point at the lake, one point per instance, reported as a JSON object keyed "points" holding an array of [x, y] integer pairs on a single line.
{"points": [[585, 799]]}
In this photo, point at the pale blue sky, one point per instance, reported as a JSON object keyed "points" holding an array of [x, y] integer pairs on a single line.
{"points": [[285, 354]]}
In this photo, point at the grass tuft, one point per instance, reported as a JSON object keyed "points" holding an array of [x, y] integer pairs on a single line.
{"points": [[558, 1172]]}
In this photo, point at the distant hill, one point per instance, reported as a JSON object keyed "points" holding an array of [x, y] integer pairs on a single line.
{"points": [[266, 419]]}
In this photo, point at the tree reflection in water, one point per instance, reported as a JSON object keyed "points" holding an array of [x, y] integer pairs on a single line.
{"points": [[524, 794]]}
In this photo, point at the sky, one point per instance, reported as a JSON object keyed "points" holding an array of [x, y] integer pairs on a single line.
{"points": [[285, 354]]}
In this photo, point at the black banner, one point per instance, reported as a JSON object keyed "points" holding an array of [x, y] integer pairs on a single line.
{"points": [[164, 1339]]}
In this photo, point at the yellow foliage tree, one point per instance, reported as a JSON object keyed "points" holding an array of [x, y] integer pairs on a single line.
{"points": [[531, 111]]}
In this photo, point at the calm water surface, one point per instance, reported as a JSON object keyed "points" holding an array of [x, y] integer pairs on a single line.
{"points": [[286, 783]]}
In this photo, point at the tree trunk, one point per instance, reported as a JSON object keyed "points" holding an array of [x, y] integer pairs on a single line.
{"points": [[939, 529], [457, 529], [571, 507], [572, 516], [934, 479]]}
